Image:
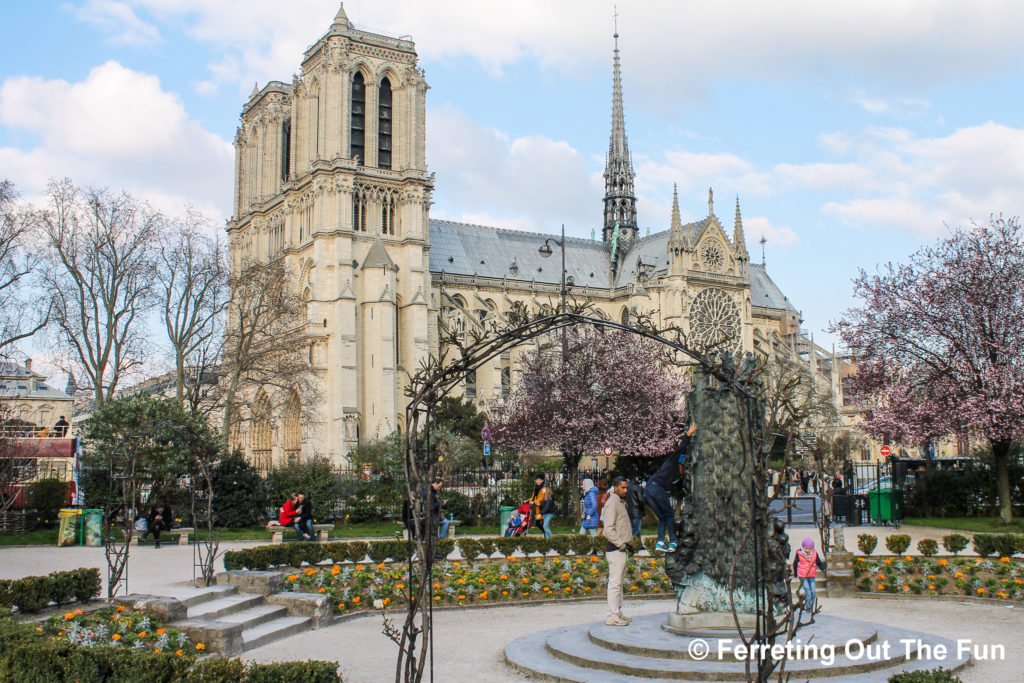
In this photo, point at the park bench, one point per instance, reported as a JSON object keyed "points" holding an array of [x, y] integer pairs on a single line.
{"points": [[181, 531], [451, 529], [277, 531]]}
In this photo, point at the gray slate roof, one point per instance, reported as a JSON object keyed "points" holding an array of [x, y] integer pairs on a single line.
{"points": [[14, 375], [464, 249]]}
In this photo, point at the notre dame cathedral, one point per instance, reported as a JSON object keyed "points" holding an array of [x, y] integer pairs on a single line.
{"points": [[331, 175]]}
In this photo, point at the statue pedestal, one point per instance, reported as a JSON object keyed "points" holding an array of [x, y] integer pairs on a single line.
{"points": [[700, 623], [841, 582]]}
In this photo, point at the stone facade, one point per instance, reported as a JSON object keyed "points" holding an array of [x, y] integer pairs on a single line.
{"points": [[331, 176]]}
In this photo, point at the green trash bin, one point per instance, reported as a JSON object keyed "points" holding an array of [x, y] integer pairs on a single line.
{"points": [[93, 527], [886, 505], [70, 526], [505, 513]]}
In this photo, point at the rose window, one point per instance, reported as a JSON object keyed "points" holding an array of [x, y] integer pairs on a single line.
{"points": [[712, 256], [714, 321]]}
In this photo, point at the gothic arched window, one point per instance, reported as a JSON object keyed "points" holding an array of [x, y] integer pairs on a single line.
{"points": [[286, 148], [356, 147], [384, 124]]}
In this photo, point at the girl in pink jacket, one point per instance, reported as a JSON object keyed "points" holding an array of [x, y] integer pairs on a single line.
{"points": [[805, 567]]}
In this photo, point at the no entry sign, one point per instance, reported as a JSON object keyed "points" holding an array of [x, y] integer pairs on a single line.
{"points": [[885, 451]]}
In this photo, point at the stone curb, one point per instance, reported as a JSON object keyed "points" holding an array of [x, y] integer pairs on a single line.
{"points": [[991, 602]]}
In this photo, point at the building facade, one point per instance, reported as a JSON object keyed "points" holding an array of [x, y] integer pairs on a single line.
{"points": [[331, 176]]}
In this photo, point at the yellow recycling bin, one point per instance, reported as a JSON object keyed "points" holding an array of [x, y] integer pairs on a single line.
{"points": [[70, 524]]}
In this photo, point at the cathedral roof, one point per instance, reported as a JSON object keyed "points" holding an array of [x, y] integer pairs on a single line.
{"points": [[465, 249], [377, 257], [764, 291]]}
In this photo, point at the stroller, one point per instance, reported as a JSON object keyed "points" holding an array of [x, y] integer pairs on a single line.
{"points": [[519, 523]]}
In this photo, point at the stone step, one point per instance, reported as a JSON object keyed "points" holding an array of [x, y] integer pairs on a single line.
{"points": [[254, 616], [212, 610], [275, 629], [573, 654], [191, 597]]}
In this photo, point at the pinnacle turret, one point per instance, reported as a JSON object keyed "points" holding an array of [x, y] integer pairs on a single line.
{"points": [[738, 240], [619, 199]]}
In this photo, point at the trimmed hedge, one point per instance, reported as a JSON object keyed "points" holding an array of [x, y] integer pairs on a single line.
{"points": [[1003, 545], [26, 656], [294, 554], [938, 675], [33, 593]]}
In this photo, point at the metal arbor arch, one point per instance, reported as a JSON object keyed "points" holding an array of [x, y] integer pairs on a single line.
{"points": [[435, 379]]}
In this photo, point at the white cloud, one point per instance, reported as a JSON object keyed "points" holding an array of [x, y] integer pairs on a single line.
{"points": [[119, 21], [690, 45], [756, 227], [117, 127], [821, 175], [530, 182]]}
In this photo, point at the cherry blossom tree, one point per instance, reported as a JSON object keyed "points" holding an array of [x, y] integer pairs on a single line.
{"points": [[614, 389], [939, 344]]}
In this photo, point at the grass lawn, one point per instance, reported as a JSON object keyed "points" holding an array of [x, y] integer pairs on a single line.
{"points": [[982, 525], [259, 533]]}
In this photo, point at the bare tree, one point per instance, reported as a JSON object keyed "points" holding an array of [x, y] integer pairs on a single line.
{"points": [[101, 249], [19, 319], [266, 344], [192, 285]]}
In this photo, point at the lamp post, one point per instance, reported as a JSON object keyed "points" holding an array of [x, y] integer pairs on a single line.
{"points": [[566, 282]]}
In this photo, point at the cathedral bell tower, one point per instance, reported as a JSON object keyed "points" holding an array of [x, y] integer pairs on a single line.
{"points": [[619, 198]]}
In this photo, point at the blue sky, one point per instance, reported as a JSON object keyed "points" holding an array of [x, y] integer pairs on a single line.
{"points": [[852, 132]]}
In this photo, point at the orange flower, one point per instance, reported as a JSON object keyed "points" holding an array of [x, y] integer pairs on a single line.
{"points": [[293, 577], [510, 558], [142, 634], [908, 558], [483, 596], [359, 567], [526, 580], [68, 616], [157, 650], [981, 591], [461, 582], [587, 589], [942, 563], [564, 576], [355, 600], [546, 589], [120, 608], [568, 589], [38, 628], [1004, 559], [382, 565], [931, 587], [504, 577], [456, 564], [462, 597], [309, 571], [889, 561], [437, 598], [386, 600], [437, 586], [646, 575], [958, 575], [502, 592], [78, 612], [161, 631], [335, 570], [593, 558], [881, 588], [178, 652], [401, 586], [341, 605], [538, 559], [322, 590], [200, 646], [116, 636]]}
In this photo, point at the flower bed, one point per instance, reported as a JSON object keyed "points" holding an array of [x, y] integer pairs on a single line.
{"points": [[380, 586], [118, 627], [1001, 578]]}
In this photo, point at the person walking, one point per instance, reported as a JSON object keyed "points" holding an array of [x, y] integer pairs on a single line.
{"points": [[436, 504], [602, 498], [547, 510], [589, 525], [304, 524], [618, 546], [806, 564], [635, 505], [658, 486], [159, 519], [537, 499]]}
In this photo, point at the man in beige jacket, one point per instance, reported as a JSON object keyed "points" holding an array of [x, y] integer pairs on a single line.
{"points": [[618, 534]]}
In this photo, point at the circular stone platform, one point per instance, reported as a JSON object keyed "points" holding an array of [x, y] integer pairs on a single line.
{"points": [[841, 650]]}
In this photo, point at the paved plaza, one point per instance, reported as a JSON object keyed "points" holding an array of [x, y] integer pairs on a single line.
{"points": [[470, 642]]}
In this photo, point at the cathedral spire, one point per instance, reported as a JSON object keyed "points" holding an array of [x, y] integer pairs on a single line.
{"points": [[677, 222], [619, 200], [711, 203], [738, 241]]}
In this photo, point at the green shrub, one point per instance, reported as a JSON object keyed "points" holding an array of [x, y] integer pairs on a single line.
{"points": [[293, 672], [487, 546], [867, 543], [983, 544], [235, 559], [954, 543], [313, 476], [87, 583], [239, 493], [5, 593], [46, 496], [561, 544], [897, 543], [469, 548], [379, 551], [31, 593], [357, 550], [938, 675], [62, 589], [217, 671], [335, 551], [444, 547], [927, 546], [507, 546], [1006, 545]]}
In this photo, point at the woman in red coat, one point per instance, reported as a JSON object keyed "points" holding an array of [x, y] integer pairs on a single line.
{"points": [[289, 511]]}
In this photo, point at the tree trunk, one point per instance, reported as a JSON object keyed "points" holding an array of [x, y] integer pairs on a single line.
{"points": [[571, 464], [1001, 465]]}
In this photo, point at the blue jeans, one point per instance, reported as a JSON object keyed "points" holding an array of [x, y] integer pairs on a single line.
{"points": [[636, 526], [305, 529], [546, 526], [810, 595], [657, 499], [442, 528], [586, 530]]}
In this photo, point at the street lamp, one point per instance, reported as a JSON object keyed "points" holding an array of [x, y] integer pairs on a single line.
{"points": [[546, 251]]}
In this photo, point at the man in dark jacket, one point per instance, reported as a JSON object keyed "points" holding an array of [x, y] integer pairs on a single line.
{"points": [[159, 519], [304, 524], [635, 506], [658, 486]]}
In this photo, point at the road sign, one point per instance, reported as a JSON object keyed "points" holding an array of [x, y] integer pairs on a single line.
{"points": [[608, 450], [487, 434], [487, 448], [885, 451]]}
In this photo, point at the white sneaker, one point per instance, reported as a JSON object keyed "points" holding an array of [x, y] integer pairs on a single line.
{"points": [[615, 621], [624, 618]]}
